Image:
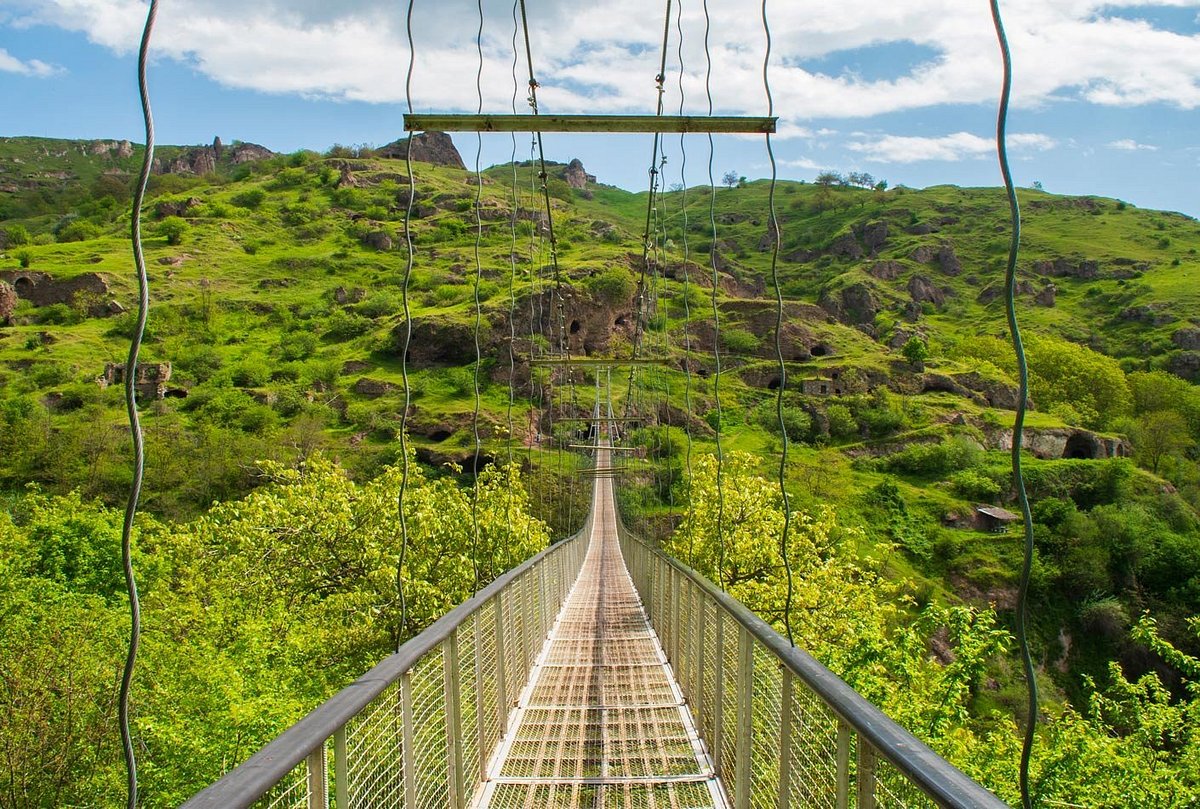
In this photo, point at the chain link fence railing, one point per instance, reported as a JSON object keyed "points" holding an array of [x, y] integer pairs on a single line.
{"points": [[781, 729], [416, 731]]}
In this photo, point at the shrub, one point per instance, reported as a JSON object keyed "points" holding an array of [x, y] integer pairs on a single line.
{"points": [[613, 285], [173, 229], [24, 258], [936, 460], [78, 230], [251, 198], [975, 485], [251, 373], [16, 236], [841, 421], [739, 341], [344, 325]]}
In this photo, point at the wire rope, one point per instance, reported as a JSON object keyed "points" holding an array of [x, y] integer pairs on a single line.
{"points": [[478, 309], [640, 298], [716, 283], [1022, 402], [773, 226], [407, 310], [135, 425], [687, 304], [512, 253]]}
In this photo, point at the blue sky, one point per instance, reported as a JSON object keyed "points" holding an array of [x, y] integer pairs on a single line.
{"points": [[1106, 98]]}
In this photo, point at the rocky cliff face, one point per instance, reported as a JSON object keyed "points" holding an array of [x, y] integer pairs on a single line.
{"points": [[427, 147], [202, 160]]}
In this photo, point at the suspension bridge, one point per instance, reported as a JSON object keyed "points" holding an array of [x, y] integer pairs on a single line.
{"points": [[600, 672]]}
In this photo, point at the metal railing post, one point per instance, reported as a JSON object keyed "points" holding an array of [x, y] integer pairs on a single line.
{"points": [[745, 720], [341, 769], [454, 750], [501, 665], [318, 785], [866, 774], [785, 739], [409, 753], [843, 765]]}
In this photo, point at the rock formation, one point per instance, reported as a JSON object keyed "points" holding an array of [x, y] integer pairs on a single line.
{"points": [[427, 147]]}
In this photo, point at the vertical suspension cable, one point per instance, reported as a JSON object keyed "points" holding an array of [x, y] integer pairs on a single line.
{"points": [[478, 310], [135, 425], [716, 283], [773, 225], [1022, 402], [640, 299], [512, 254], [408, 268], [687, 304]]}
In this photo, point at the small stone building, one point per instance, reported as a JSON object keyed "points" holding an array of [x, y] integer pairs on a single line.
{"points": [[994, 519]]}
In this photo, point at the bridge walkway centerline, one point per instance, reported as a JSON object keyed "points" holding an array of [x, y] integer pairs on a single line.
{"points": [[602, 721]]}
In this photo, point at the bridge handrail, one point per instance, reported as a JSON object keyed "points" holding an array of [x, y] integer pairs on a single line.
{"points": [[254, 778], [936, 778]]}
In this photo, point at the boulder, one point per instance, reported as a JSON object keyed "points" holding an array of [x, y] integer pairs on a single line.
{"points": [[427, 147], [8, 302], [922, 290], [1185, 364], [1187, 338], [378, 240], [846, 245], [575, 176], [948, 260], [874, 235], [854, 305], [1046, 297], [886, 270], [372, 388], [176, 207]]}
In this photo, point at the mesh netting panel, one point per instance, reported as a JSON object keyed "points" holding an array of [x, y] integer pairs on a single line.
{"points": [[894, 791], [290, 793], [429, 732], [374, 752], [766, 705], [813, 742]]}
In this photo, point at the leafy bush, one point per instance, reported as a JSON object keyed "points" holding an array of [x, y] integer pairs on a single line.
{"points": [[974, 485], [173, 229], [252, 373], [16, 236], [24, 258], [343, 325], [251, 198], [739, 340], [613, 285], [78, 230], [936, 460], [842, 423]]}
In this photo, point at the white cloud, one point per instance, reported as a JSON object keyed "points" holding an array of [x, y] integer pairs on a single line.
{"points": [[802, 163], [1131, 145], [601, 56], [33, 67], [953, 147]]}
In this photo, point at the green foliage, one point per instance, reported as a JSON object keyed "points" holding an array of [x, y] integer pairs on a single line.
{"points": [[614, 285], [842, 423], [251, 198], [24, 258], [739, 340], [77, 230], [253, 614], [916, 351], [174, 229], [16, 236], [936, 460]]}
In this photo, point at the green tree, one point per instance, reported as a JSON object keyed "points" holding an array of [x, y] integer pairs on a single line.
{"points": [[1160, 435], [174, 229], [916, 352], [16, 236]]}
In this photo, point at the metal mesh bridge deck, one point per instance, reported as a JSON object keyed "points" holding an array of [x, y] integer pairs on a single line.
{"points": [[602, 721]]}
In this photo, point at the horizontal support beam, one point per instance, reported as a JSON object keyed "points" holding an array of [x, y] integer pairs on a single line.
{"points": [[716, 124], [610, 449], [597, 362]]}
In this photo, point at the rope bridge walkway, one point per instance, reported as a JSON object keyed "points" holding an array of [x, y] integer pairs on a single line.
{"points": [[602, 674], [602, 721]]}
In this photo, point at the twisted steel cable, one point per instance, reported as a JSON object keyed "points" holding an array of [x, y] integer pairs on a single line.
{"points": [[687, 304], [512, 254], [773, 225], [408, 268], [135, 425], [716, 282], [478, 309], [1022, 403]]}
